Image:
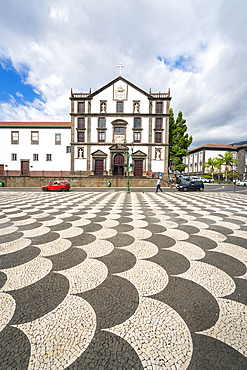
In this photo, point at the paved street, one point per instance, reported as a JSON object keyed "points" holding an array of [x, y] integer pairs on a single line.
{"points": [[105, 280]]}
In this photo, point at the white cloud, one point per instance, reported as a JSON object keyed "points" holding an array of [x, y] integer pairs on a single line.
{"points": [[79, 44]]}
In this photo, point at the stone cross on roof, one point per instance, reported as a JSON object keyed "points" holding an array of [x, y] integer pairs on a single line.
{"points": [[120, 66]]}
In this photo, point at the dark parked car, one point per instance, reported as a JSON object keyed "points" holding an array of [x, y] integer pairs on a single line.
{"points": [[191, 185], [57, 186]]}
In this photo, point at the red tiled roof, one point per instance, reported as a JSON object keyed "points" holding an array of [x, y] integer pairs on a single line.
{"points": [[35, 124], [214, 146]]}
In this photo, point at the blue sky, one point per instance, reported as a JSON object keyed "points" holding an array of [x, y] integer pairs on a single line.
{"points": [[195, 48], [13, 85]]}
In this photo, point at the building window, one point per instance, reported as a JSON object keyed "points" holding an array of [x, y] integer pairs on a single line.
{"points": [[101, 137], [80, 137], [14, 157], [119, 107], [81, 123], [68, 149], [137, 137], [119, 130], [81, 107], [35, 157], [158, 123], [48, 157], [159, 107], [57, 139], [14, 137], [101, 122], [157, 137], [137, 123], [34, 137]]}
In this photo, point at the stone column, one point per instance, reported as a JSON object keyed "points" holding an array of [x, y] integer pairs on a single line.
{"points": [[150, 136], [72, 154], [89, 138]]}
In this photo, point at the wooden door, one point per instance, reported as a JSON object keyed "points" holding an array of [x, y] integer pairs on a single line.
{"points": [[1, 169], [99, 166], [138, 167], [25, 168], [118, 164]]}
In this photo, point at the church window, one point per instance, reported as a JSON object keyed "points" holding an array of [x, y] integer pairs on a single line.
{"points": [[68, 149], [48, 157], [101, 122], [101, 137], [137, 137], [80, 137], [158, 123], [81, 123], [35, 157], [137, 123], [34, 137], [81, 107], [159, 107], [157, 137], [119, 130], [14, 157], [14, 137], [119, 107], [57, 139]]}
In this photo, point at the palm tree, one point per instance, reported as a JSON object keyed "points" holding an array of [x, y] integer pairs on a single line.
{"points": [[211, 164], [227, 160]]}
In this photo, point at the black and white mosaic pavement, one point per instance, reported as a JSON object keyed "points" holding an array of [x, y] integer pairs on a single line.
{"points": [[115, 281]]}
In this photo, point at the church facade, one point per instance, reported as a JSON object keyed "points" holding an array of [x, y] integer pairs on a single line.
{"points": [[105, 124]]}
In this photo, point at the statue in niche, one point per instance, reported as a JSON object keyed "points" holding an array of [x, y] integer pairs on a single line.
{"points": [[103, 108], [136, 107], [158, 155], [80, 153]]}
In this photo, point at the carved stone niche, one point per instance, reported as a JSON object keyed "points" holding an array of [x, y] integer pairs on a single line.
{"points": [[157, 154], [103, 107], [136, 107], [80, 153]]}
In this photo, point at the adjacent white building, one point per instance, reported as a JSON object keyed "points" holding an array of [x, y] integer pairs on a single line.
{"points": [[199, 156], [35, 148]]}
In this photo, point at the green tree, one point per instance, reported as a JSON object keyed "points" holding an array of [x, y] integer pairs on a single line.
{"points": [[211, 164], [179, 141], [227, 160]]}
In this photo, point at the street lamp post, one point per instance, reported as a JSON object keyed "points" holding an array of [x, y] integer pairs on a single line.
{"points": [[234, 182], [128, 165]]}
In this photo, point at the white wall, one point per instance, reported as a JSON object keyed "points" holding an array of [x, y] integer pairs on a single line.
{"points": [[25, 150]]}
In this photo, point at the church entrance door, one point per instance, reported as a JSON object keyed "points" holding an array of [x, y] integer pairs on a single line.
{"points": [[138, 167], [99, 167], [118, 164]]}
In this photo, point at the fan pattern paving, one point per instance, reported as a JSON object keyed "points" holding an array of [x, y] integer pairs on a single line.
{"points": [[115, 281]]}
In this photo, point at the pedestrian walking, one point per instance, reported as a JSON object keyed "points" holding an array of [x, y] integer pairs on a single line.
{"points": [[158, 186]]}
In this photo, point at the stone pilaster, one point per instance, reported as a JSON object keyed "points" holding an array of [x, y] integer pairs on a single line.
{"points": [[150, 137], [89, 138], [72, 154]]}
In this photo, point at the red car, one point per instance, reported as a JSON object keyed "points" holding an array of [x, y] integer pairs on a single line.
{"points": [[57, 186]]}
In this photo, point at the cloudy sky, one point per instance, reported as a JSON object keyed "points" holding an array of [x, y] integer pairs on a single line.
{"points": [[197, 48]]}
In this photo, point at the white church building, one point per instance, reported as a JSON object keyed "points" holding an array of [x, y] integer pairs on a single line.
{"points": [[105, 123]]}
